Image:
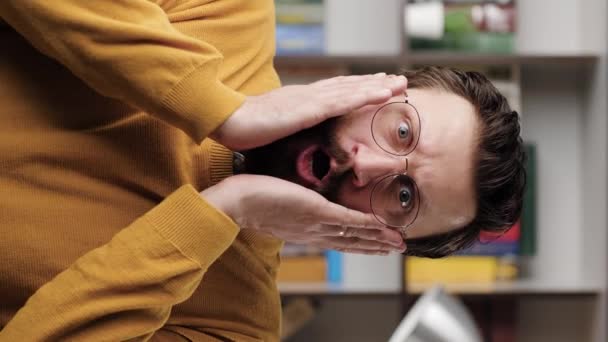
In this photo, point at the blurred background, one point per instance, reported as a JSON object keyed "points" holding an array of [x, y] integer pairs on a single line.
{"points": [[546, 279]]}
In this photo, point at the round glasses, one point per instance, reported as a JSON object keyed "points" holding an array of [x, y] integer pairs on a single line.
{"points": [[395, 200]]}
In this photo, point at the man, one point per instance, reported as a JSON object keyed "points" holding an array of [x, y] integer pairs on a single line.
{"points": [[452, 133], [107, 107]]}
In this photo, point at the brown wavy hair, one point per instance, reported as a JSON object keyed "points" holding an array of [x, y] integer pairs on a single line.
{"points": [[500, 176]]}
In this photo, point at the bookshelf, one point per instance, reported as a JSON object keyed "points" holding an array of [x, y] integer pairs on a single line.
{"points": [[517, 288], [328, 289], [438, 58], [562, 62]]}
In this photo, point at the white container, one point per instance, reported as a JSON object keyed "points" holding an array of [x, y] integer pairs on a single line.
{"points": [[372, 273], [425, 20], [363, 27]]}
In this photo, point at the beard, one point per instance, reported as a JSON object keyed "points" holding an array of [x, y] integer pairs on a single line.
{"points": [[304, 158]]}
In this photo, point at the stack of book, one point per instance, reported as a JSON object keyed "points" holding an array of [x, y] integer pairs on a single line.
{"points": [[299, 29], [300, 263], [307, 264], [485, 262], [461, 25]]}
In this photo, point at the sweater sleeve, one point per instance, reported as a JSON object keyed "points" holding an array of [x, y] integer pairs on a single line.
{"points": [[128, 50], [126, 288]]}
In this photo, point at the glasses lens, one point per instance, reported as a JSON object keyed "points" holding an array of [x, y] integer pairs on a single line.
{"points": [[396, 128], [395, 201]]}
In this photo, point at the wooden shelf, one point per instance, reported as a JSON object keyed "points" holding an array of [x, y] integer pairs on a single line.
{"points": [[517, 287], [328, 289], [432, 58], [436, 58]]}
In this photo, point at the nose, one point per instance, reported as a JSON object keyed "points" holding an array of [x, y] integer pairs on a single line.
{"points": [[370, 164]]}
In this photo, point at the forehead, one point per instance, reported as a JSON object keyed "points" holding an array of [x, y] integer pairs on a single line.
{"points": [[443, 162]]}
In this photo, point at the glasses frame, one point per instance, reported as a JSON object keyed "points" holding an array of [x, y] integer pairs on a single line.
{"points": [[402, 229], [407, 102]]}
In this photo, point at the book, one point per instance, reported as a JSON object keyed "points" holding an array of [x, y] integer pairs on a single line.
{"points": [[302, 263], [496, 244], [305, 268], [299, 39], [462, 26], [528, 219], [459, 269], [334, 266], [299, 13], [299, 29]]}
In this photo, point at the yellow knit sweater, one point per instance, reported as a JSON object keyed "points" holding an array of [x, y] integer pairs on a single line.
{"points": [[105, 107]]}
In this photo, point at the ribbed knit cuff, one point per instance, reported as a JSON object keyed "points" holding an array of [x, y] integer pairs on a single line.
{"points": [[220, 162], [199, 230], [201, 102]]}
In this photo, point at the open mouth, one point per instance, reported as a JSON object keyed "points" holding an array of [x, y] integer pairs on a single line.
{"points": [[313, 166], [320, 164]]}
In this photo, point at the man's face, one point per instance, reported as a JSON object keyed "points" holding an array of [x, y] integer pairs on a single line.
{"points": [[341, 160]]}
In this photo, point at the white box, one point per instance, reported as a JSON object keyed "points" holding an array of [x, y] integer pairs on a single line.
{"points": [[363, 27]]}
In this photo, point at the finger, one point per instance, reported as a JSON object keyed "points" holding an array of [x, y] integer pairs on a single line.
{"points": [[347, 79], [325, 245], [340, 102], [363, 251], [354, 98], [357, 243], [397, 84], [336, 215], [356, 80], [384, 235]]}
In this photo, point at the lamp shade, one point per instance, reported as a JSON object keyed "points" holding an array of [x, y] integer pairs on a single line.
{"points": [[437, 317]]}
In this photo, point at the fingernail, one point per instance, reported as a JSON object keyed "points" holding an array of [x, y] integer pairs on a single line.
{"points": [[380, 74]]}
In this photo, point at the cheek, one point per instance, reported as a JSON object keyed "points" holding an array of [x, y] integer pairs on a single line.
{"points": [[354, 198]]}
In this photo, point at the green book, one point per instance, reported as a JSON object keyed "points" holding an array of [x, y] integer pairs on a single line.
{"points": [[299, 14], [471, 28], [528, 219]]}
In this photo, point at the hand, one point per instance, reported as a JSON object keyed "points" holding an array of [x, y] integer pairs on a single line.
{"points": [[293, 213], [284, 111]]}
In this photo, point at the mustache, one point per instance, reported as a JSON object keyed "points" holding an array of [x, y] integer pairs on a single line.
{"points": [[264, 160], [343, 170], [339, 154]]}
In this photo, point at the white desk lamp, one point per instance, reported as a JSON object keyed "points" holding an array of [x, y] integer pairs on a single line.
{"points": [[437, 317]]}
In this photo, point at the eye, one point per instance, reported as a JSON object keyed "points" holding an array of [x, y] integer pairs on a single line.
{"points": [[405, 197], [403, 131]]}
